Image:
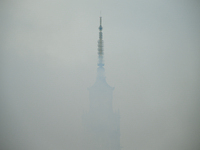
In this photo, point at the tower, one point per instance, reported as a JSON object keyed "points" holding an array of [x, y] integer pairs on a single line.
{"points": [[102, 124]]}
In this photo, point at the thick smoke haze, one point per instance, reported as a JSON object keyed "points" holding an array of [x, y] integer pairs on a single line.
{"points": [[48, 60]]}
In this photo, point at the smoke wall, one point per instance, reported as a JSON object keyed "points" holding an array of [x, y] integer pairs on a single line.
{"points": [[48, 60]]}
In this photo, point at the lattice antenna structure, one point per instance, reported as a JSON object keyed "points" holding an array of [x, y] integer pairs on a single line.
{"points": [[100, 45]]}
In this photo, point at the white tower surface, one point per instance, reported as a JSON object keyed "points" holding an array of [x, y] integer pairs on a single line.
{"points": [[102, 125]]}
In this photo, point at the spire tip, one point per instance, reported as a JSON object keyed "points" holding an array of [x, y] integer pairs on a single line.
{"points": [[100, 27]]}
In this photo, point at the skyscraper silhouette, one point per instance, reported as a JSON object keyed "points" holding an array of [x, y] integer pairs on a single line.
{"points": [[102, 124]]}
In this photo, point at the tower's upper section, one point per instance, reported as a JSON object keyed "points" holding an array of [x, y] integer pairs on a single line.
{"points": [[101, 79], [100, 27], [100, 45], [100, 92]]}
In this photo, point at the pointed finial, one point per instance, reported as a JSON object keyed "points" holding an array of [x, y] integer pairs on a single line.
{"points": [[100, 27]]}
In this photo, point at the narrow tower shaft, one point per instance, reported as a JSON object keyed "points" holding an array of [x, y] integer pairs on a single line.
{"points": [[100, 45]]}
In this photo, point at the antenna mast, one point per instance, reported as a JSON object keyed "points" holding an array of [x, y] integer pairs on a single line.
{"points": [[100, 45]]}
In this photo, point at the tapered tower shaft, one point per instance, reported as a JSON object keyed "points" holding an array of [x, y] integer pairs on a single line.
{"points": [[100, 45], [102, 124]]}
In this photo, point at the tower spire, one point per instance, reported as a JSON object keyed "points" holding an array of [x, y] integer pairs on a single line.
{"points": [[100, 45], [102, 124], [100, 27]]}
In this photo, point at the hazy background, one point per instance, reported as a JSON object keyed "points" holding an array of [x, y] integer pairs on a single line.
{"points": [[48, 59]]}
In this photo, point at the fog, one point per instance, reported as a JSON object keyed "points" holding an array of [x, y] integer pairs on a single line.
{"points": [[48, 60]]}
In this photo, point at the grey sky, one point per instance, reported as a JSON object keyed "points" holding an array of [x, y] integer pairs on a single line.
{"points": [[49, 59]]}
